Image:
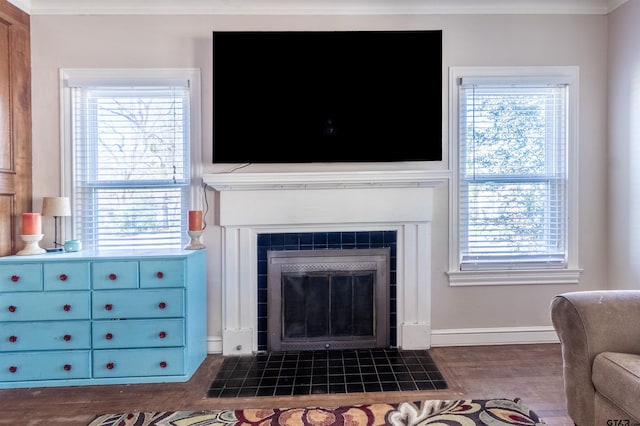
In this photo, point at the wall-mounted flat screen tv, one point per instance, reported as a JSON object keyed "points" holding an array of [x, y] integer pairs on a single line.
{"points": [[327, 96]]}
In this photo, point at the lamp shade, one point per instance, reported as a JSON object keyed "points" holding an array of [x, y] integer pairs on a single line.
{"points": [[56, 206]]}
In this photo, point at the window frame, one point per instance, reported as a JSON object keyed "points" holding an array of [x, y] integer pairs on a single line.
{"points": [[130, 77], [514, 274]]}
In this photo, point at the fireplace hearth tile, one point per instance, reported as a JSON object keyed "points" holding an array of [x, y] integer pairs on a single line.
{"points": [[321, 372]]}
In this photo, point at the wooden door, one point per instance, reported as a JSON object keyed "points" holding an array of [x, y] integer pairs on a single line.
{"points": [[15, 124]]}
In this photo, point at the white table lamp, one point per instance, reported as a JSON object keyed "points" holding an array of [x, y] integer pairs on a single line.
{"points": [[56, 207]]}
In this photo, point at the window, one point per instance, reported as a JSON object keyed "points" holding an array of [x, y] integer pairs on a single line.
{"points": [[515, 181], [133, 149]]}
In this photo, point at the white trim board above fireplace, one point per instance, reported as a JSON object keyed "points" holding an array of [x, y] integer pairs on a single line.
{"points": [[254, 203]]}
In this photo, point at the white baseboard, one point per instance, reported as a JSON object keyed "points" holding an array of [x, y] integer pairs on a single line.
{"points": [[214, 344], [463, 337], [493, 336]]}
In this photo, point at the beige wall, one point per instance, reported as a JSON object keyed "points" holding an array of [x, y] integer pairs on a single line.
{"points": [[474, 40], [624, 146]]}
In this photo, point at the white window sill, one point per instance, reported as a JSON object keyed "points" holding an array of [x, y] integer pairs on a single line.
{"points": [[514, 277]]}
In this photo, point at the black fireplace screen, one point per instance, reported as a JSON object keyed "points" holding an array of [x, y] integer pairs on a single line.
{"points": [[334, 299], [328, 305]]}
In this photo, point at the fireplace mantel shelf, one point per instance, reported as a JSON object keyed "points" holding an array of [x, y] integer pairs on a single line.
{"points": [[325, 180]]}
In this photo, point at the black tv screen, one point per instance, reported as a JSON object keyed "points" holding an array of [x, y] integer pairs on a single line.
{"points": [[327, 96]]}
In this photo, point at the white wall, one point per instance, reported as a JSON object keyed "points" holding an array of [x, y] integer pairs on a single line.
{"points": [[624, 146], [474, 40]]}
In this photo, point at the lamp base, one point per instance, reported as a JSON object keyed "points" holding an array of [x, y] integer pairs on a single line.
{"points": [[31, 245]]}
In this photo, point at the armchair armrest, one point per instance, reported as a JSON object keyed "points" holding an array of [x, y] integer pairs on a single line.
{"points": [[588, 323]]}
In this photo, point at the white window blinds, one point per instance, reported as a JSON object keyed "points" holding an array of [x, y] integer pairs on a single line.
{"points": [[512, 195], [130, 154]]}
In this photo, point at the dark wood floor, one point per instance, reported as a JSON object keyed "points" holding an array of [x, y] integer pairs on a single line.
{"points": [[530, 372]]}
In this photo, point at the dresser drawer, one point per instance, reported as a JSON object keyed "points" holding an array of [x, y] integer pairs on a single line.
{"points": [[45, 306], [21, 277], [51, 335], [162, 273], [138, 333], [138, 304], [114, 274], [138, 362], [55, 365], [66, 276]]}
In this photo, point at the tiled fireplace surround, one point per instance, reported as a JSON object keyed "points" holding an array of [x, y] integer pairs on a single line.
{"points": [[364, 203]]}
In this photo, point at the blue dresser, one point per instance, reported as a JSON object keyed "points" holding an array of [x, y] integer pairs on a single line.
{"points": [[84, 318]]}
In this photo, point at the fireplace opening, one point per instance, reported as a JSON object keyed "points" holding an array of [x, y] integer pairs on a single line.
{"points": [[328, 299]]}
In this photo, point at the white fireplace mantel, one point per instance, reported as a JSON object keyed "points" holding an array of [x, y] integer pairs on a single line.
{"points": [[253, 203], [317, 180]]}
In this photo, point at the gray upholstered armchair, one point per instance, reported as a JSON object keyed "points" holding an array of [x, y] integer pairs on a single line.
{"points": [[600, 336]]}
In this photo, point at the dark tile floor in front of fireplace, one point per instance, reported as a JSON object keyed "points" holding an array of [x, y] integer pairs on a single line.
{"points": [[320, 372]]}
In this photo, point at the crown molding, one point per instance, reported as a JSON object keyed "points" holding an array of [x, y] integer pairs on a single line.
{"points": [[614, 4], [314, 7]]}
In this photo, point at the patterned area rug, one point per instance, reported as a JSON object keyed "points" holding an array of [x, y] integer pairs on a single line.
{"points": [[494, 412]]}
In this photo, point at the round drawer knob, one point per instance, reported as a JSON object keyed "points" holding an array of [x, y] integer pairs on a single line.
{"points": [[162, 305], [13, 369], [110, 366], [12, 308], [66, 308], [15, 278], [112, 277], [108, 306], [13, 339], [163, 364], [160, 275], [63, 277], [67, 337], [67, 367], [162, 334], [108, 336]]}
